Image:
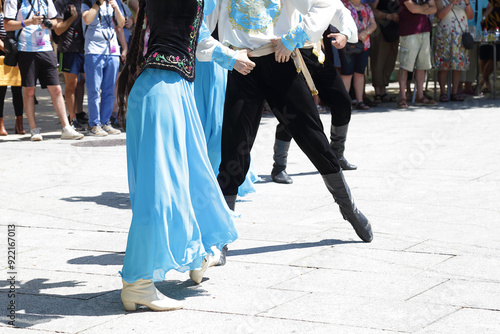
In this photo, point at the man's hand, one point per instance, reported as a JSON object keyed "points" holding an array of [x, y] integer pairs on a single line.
{"points": [[243, 64], [73, 11], [338, 40], [114, 4], [281, 54], [35, 20], [129, 22], [123, 55]]}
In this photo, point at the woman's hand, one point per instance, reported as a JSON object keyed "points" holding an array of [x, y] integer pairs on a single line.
{"points": [[282, 54]]}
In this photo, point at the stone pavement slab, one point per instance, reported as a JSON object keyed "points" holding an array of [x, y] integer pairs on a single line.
{"points": [[428, 180]]}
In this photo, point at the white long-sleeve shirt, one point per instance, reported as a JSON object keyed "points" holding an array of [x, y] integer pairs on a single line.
{"points": [[250, 24]]}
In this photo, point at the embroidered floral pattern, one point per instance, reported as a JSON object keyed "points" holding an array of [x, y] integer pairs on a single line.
{"points": [[254, 15], [183, 64]]}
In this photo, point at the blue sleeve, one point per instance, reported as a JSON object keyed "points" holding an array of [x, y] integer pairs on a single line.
{"points": [[295, 38], [224, 59]]}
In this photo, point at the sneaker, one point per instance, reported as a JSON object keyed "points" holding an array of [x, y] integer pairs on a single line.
{"points": [[111, 130], [82, 117], [97, 131], [77, 125], [68, 132], [35, 135]]}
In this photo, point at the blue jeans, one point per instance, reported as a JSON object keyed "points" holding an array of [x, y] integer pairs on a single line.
{"points": [[100, 74]]}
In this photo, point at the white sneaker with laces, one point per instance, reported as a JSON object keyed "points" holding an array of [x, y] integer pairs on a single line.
{"points": [[35, 135], [69, 132], [97, 131], [111, 130]]}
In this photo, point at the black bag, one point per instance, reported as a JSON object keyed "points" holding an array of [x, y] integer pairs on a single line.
{"points": [[467, 39], [354, 48], [10, 47], [390, 31], [10, 42]]}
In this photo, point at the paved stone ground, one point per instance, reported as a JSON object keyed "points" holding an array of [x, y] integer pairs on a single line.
{"points": [[428, 179]]}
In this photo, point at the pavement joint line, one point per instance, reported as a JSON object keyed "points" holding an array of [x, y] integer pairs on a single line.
{"points": [[64, 229], [428, 289], [102, 323], [418, 243], [70, 271], [479, 177], [95, 250], [440, 318], [482, 308]]}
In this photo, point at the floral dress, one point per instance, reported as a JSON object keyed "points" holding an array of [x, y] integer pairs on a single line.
{"points": [[449, 53], [361, 16]]}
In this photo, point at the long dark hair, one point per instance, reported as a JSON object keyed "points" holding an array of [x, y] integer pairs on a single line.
{"points": [[133, 63]]}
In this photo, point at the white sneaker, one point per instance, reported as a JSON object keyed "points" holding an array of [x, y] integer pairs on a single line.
{"points": [[69, 132], [111, 130], [35, 135], [97, 131]]}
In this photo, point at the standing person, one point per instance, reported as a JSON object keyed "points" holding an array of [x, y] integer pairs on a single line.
{"points": [[354, 65], [179, 212], [415, 47], [331, 90], [102, 59], [70, 47], [36, 58], [10, 76], [274, 77], [449, 53], [491, 21], [384, 47]]}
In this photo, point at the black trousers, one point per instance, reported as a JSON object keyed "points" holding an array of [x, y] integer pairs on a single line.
{"points": [[331, 91], [290, 100], [17, 99]]}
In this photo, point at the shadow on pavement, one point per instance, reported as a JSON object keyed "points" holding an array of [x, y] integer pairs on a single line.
{"points": [[277, 248], [108, 198]]}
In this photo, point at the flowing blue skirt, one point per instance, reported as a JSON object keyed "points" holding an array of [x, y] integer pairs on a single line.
{"points": [[179, 212], [210, 94]]}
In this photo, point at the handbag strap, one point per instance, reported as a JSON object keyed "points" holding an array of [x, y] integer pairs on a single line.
{"points": [[459, 24], [29, 13]]}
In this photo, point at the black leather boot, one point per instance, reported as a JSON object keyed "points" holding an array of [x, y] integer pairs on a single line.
{"points": [[278, 174], [338, 138], [340, 190]]}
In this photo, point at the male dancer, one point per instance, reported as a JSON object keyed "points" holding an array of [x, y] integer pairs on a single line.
{"points": [[272, 31], [331, 90]]}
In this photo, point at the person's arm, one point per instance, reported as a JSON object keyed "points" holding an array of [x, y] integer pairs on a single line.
{"points": [[372, 26], [120, 19], [442, 10], [12, 25], [134, 5], [89, 15], [425, 9], [343, 21], [468, 10], [120, 35], [488, 10], [1, 45], [64, 25], [210, 49]]}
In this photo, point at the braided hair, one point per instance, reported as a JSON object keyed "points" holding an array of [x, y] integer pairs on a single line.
{"points": [[133, 63]]}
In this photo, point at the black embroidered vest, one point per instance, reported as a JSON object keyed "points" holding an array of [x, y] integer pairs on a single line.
{"points": [[174, 26]]}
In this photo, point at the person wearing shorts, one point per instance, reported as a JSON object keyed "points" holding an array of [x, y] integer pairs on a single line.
{"points": [[414, 47], [36, 58], [71, 57]]}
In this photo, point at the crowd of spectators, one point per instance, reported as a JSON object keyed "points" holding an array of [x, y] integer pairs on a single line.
{"points": [[92, 38]]}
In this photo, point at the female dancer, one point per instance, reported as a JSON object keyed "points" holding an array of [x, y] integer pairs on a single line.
{"points": [[179, 212]]}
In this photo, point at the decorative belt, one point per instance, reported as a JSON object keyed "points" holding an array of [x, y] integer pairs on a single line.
{"points": [[269, 48]]}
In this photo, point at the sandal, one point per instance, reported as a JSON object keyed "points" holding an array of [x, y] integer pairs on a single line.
{"points": [[443, 98], [378, 99], [362, 106], [402, 104], [387, 98], [425, 102], [457, 97]]}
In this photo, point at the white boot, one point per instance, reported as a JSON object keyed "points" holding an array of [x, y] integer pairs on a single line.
{"points": [[197, 275], [144, 292]]}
